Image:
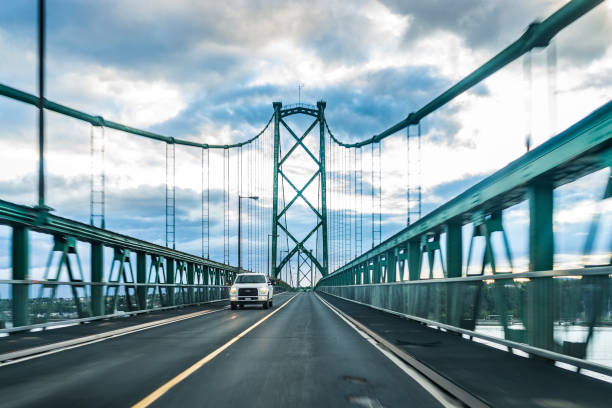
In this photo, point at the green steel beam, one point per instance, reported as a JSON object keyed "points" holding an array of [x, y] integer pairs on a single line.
{"points": [[97, 275], [190, 280], [15, 214], [141, 277], [414, 259], [170, 279], [299, 194], [299, 142], [321, 118], [582, 149], [454, 249], [391, 265], [20, 266], [537, 35], [277, 115], [541, 243]]}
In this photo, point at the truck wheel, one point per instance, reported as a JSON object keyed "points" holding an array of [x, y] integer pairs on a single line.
{"points": [[233, 306], [270, 303], [265, 304]]}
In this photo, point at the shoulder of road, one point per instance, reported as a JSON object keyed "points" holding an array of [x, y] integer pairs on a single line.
{"points": [[496, 377]]}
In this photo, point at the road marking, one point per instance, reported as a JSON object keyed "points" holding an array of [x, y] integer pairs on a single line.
{"points": [[442, 397], [155, 395], [18, 356]]}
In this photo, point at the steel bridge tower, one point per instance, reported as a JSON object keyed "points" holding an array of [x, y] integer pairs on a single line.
{"points": [[298, 246]]}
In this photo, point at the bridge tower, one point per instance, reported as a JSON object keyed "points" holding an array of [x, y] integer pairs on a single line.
{"points": [[299, 245]]}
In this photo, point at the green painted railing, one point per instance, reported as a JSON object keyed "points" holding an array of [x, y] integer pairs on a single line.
{"points": [[559, 315]]}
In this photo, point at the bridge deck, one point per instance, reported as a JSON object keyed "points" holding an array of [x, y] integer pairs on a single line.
{"points": [[500, 378], [304, 355]]}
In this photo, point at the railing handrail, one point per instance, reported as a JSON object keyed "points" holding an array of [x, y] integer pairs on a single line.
{"points": [[563, 273], [11, 213], [473, 197]]}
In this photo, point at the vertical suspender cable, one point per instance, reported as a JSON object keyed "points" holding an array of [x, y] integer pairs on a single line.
{"points": [[225, 206], [551, 60], [208, 204], [344, 191], [420, 175], [355, 200], [527, 75], [351, 203], [360, 201], [203, 226], [407, 175], [379, 192], [41, 104], [372, 178]]}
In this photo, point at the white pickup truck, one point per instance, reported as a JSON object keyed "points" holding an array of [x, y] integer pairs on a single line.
{"points": [[251, 288]]}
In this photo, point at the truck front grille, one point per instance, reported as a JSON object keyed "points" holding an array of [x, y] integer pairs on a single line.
{"points": [[247, 291]]}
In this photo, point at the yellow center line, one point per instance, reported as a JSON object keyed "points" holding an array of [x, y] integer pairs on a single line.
{"points": [[155, 395]]}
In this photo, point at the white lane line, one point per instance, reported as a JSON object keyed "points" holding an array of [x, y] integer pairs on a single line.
{"points": [[442, 397], [40, 351], [19, 356], [45, 350]]}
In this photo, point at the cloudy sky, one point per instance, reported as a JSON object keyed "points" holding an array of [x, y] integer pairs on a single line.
{"points": [[209, 71]]}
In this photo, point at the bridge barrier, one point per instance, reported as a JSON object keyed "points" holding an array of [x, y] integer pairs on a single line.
{"points": [[61, 310], [141, 276], [564, 316]]}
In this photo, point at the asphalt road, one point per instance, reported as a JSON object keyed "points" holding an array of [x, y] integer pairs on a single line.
{"points": [[303, 355]]}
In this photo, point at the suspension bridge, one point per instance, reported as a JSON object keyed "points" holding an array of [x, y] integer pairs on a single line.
{"points": [[436, 312]]}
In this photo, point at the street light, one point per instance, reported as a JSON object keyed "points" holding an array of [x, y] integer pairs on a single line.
{"points": [[239, 213], [288, 274], [268, 266]]}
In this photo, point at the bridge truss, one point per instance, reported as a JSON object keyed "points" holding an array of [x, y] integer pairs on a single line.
{"points": [[319, 210]]}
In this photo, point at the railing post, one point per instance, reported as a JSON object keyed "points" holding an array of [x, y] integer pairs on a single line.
{"points": [[540, 295], [414, 259], [170, 280], [454, 249], [20, 291], [97, 275], [391, 265], [377, 269], [367, 273], [541, 243], [141, 277], [190, 281]]}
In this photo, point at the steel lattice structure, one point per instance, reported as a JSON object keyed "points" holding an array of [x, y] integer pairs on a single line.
{"points": [[299, 245]]}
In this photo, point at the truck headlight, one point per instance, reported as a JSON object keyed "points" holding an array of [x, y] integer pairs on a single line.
{"points": [[263, 290], [233, 290]]}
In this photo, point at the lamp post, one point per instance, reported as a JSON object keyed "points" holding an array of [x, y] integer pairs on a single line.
{"points": [[268, 265], [288, 274], [239, 214]]}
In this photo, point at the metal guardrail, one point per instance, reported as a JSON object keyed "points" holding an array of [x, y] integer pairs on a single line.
{"points": [[175, 278], [551, 314], [185, 295], [582, 149], [169, 273]]}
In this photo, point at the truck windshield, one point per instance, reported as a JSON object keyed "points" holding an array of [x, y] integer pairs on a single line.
{"points": [[251, 279]]}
